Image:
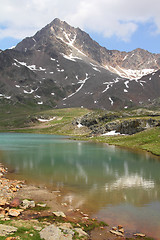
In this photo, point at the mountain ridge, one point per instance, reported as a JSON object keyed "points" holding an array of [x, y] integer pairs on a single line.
{"points": [[61, 65]]}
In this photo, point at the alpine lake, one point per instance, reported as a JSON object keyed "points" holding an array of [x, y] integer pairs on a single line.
{"points": [[115, 185]]}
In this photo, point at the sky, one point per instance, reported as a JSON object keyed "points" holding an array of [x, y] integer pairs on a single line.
{"points": [[115, 24]]}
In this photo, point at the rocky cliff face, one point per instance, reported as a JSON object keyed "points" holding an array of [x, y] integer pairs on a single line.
{"points": [[107, 122], [61, 66], [61, 36]]}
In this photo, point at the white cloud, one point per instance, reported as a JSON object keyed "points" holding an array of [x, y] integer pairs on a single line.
{"points": [[23, 18]]}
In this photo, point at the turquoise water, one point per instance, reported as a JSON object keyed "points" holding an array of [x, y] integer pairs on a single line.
{"points": [[115, 185]]}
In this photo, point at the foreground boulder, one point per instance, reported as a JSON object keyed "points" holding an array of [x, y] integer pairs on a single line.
{"points": [[14, 212], [5, 230], [52, 232]]}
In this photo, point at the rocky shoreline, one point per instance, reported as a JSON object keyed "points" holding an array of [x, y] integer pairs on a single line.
{"points": [[29, 212]]}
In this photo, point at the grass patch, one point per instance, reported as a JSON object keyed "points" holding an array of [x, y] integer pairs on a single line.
{"points": [[25, 233], [148, 140]]}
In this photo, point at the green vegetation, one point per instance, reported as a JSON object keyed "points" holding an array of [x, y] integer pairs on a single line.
{"points": [[148, 140], [21, 118], [16, 116], [27, 233]]}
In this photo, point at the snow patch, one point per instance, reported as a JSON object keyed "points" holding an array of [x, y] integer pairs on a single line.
{"points": [[106, 89], [125, 90], [130, 73], [4, 96], [82, 84], [29, 92], [37, 96], [110, 99], [111, 133], [15, 64], [31, 67], [79, 125], [125, 57], [71, 57], [126, 83], [96, 69], [12, 47], [45, 120]]}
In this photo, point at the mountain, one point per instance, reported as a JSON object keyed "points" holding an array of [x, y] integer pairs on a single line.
{"points": [[61, 66]]}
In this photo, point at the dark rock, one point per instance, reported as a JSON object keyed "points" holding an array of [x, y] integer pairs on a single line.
{"points": [[15, 202]]}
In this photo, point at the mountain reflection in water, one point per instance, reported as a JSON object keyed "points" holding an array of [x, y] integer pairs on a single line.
{"points": [[95, 177]]}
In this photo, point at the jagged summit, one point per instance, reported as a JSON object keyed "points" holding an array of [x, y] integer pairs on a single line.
{"points": [[62, 65]]}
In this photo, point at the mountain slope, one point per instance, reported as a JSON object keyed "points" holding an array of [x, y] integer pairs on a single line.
{"points": [[62, 66]]}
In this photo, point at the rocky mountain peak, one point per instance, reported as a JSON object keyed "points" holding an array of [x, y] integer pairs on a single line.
{"points": [[62, 65]]}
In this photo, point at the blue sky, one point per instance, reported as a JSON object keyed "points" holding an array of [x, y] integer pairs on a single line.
{"points": [[115, 24]]}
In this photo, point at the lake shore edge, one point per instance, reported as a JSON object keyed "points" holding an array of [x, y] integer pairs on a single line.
{"points": [[41, 215]]}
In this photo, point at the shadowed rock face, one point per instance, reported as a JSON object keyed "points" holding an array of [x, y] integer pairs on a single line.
{"points": [[101, 124], [62, 66]]}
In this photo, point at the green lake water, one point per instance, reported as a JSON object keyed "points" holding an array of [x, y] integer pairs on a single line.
{"points": [[115, 185]]}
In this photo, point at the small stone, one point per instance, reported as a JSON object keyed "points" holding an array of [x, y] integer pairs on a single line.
{"points": [[120, 226], [32, 204], [37, 228], [114, 228], [65, 225], [139, 235], [64, 204], [81, 232], [41, 205], [6, 219], [116, 233], [59, 214], [14, 189], [27, 204], [85, 218], [3, 202], [121, 230], [14, 212], [15, 202]]}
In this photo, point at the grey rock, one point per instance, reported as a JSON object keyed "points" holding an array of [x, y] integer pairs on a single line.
{"points": [[14, 212], [59, 214], [53, 232], [5, 229], [81, 233], [116, 233], [139, 235], [27, 204]]}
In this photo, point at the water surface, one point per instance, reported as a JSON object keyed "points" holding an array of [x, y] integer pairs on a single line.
{"points": [[115, 185]]}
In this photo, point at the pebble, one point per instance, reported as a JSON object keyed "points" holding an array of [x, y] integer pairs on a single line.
{"points": [[139, 235], [59, 214], [114, 228], [116, 233], [41, 204]]}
